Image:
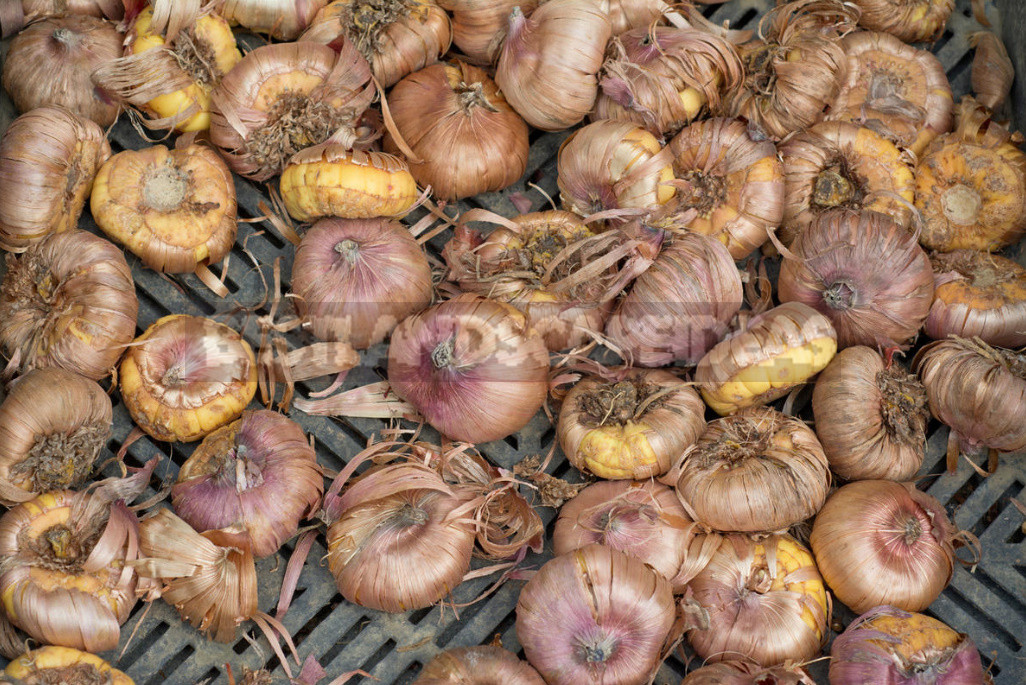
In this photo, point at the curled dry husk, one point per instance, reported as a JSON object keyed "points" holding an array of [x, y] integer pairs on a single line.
{"points": [[66, 563], [867, 274], [48, 158], [548, 265], [396, 37], [455, 120], [185, 376], [992, 73], [174, 209], [977, 390], [778, 350], [211, 582], [759, 599], [794, 71], [900, 92], [283, 98], [838, 165], [254, 479], [331, 179], [890, 645], [913, 21], [478, 664], [356, 279], [18, 13], [663, 77], [63, 665], [473, 367], [756, 471], [415, 517], [613, 165], [479, 26], [549, 61], [169, 76], [69, 301], [51, 62], [978, 295], [53, 424], [283, 19], [735, 183], [595, 615], [680, 306], [641, 518], [870, 417], [747, 673], [633, 423], [880, 542], [971, 185]]}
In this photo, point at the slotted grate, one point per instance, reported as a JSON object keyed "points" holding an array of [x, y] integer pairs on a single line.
{"points": [[988, 603]]}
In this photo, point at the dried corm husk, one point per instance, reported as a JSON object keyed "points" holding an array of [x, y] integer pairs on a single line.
{"points": [[479, 26], [170, 76], [186, 376], [662, 77], [971, 185], [60, 665], [747, 673], [870, 417], [977, 390], [210, 581], [396, 37], [416, 516], [681, 306], [487, 663], [794, 71], [174, 209], [69, 301], [757, 471], [333, 180], [629, 424], [283, 98], [595, 615], [18, 13], [899, 91], [913, 21], [66, 563], [992, 73], [472, 366], [466, 136], [53, 424], [550, 59], [283, 19], [865, 273], [839, 165], [642, 518], [548, 265], [888, 644], [734, 183], [880, 542], [356, 279], [978, 295], [48, 158], [613, 165], [51, 62], [762, 600], [627, 15], [776, 351], [254, 479]]}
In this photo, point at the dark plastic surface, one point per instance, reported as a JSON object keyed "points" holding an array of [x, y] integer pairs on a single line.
{"points": [[988, 603]]}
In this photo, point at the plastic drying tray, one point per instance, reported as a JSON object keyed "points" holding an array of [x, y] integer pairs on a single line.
{"points": [[988, 603]]}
